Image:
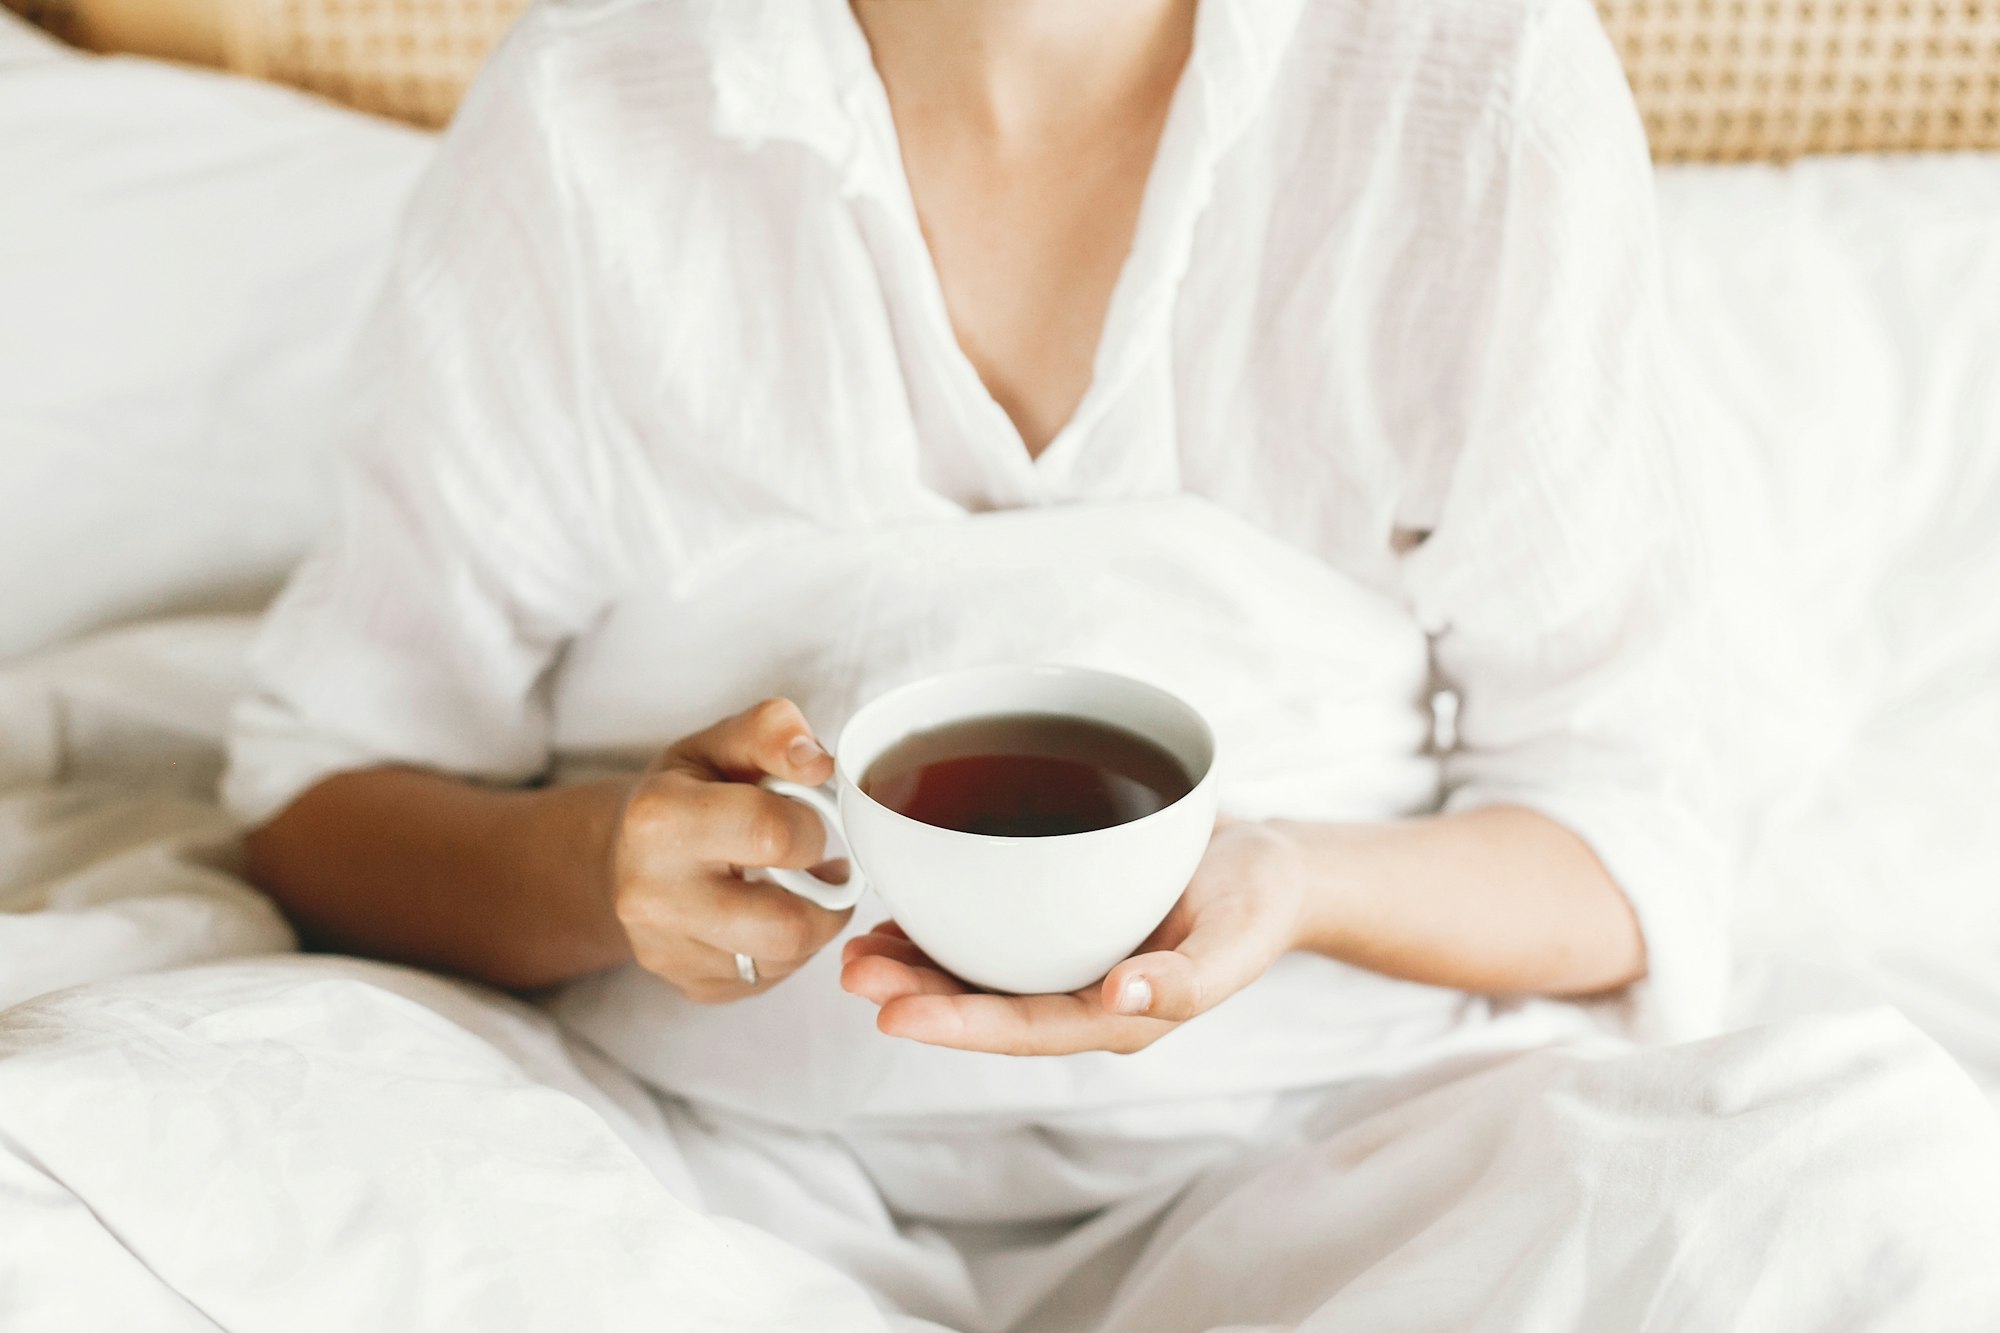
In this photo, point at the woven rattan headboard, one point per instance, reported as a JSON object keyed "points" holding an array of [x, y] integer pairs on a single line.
{"points": [[1717, 80], [407, 58], [1733, 80]]}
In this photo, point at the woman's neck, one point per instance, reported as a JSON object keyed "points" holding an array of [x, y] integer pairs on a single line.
{"points": [[1019, 73]]}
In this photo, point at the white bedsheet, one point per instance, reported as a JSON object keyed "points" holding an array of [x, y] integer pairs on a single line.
{"points": [[296, 1144], [271, 1141], [312, 1144], [114, 858]]}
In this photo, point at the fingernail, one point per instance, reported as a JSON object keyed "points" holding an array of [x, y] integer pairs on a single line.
{"points": [[804, 750], [1135, 996]]}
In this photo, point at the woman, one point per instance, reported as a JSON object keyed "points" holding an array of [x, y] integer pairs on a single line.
{"points": [[1300, 356]]}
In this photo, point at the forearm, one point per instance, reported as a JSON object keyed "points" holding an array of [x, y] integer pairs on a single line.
{"points": [[1502, 899], [505, 887]]}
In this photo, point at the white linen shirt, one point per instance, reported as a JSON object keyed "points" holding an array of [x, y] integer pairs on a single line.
{"points": [[677, 421]]}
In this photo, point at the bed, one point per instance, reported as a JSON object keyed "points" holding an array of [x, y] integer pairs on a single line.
{"points": [[201, 1128]]}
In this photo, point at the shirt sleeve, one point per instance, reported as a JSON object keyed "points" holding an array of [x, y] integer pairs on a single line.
{"points": [[464, 553], [1555, 585]]}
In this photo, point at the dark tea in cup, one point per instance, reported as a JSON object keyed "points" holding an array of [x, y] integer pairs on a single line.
{"points": [[1026, 775]]}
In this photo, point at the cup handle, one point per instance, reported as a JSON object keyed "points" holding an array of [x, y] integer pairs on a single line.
{"points": [[833, 897]]}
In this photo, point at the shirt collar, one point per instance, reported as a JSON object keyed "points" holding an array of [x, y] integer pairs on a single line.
{"points": [[1238, 47], [785, 70], [800, 71]]}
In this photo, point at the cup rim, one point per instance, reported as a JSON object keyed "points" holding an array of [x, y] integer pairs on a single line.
{"points": [[848, 780]]}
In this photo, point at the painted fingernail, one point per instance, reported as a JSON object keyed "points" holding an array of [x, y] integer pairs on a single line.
{"points": [[1135, 996], [804, 750]]}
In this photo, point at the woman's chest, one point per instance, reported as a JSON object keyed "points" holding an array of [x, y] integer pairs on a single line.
{"points": [[804, 371], [1280, 651]]}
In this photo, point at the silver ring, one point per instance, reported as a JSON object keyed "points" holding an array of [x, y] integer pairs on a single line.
{"points": [[746, 969]]}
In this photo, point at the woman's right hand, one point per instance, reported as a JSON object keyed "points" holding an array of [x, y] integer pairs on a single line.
{"points": [[688, 830]]}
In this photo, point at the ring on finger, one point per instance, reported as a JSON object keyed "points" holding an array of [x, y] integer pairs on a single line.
{"points": [[746, 969]]}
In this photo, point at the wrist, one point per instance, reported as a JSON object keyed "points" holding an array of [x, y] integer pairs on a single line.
{"points": [[568, 837], [1271, 858], [1325, 862]]}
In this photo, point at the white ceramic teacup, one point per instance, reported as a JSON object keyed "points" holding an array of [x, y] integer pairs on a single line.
{"points": [[1028, 914]]}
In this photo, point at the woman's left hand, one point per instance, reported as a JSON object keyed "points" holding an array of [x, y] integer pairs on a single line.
{"points": [[1238, 915]]}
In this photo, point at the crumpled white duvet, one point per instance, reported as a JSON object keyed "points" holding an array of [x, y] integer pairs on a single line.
{"points": [[268, 1141], [321, 1144], [308, 1144]]}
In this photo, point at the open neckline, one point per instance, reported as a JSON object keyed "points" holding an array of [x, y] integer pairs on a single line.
{"points": [[1175, 192]]}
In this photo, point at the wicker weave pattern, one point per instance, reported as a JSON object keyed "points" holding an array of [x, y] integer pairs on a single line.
{"points": [[1730, 80], [1718, 80], [411, 59]]}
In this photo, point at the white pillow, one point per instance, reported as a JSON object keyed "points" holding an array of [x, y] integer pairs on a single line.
{"points": [[1844, 315], [185, 258], [1846, 312]]}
